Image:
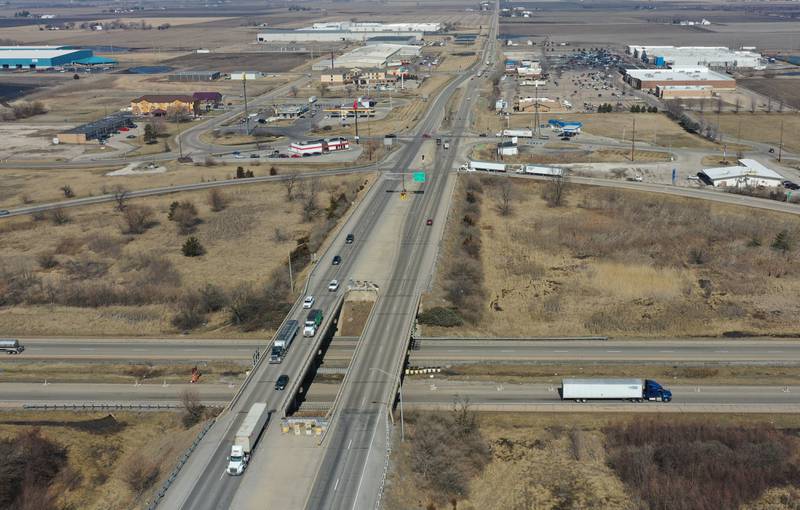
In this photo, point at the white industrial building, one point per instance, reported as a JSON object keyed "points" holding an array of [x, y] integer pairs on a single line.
{"points": [[749, 173], [693, 56], [246, 75], [360, 26], [306, 35], [377, 55]]}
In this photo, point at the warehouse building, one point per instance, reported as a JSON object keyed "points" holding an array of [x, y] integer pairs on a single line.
{"points": [[303, 35], [95, 130], [697, 56], [361, 26], [749, 173], [194, 76], [375, 56], [392, 39], [684, 91], [651, 79], [48, 57]]}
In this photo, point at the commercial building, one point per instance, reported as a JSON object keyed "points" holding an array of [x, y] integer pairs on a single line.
{"points": [[160, 105], [337, 77], [684, 91], [392, 39], [374, 56], [360, 26], [320, 146], [749, 173], [194, 76], [507, 149], [96, 129], [651, 79], [288, 35], [290, 111], [48, 57], [465, 38], [246, 75], [207, 100], [565, 127], [697, 56]]}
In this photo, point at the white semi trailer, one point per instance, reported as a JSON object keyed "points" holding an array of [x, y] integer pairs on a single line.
{"points": [[246, 438], [636, 390]]}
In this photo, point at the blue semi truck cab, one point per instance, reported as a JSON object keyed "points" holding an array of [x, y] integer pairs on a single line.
{"points": [[654, 391]]}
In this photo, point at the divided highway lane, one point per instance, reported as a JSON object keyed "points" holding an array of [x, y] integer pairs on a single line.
{"points": [[350, 474], [749, 351], [132, 349]]}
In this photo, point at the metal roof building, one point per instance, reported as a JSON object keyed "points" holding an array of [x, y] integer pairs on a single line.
{"points": [[288, 35], [97, 128], [653, 78], [748, 173], [692, 56], [47, 57]]}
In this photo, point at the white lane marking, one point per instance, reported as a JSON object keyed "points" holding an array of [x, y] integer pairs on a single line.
{"points": [[560, 351], [349, 444], [139, 350], [336, 486], [666, 351], [613, 351], [364, 402], [191, 350], [453, 350], [508, 350], [86, 349], [720, 351], [774, 352], [222, 475]]}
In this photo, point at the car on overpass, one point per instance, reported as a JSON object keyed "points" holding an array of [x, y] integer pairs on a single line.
{"points": [[281, 383], [308, 302], [337, 260]]}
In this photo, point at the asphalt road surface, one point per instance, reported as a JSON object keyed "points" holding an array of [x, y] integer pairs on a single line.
{"points": [[424, 394], [132, 349]]}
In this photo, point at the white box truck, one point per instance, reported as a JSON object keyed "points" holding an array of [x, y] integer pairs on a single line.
{"points": [[246, 438], [519, 133], [637, 390]]}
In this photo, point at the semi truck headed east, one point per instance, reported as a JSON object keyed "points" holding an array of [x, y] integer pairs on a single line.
{"points": [[634, 390], [313, 320], [246, 438], [283, 340]]}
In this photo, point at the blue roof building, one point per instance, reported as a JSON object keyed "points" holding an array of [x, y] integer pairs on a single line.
{"points": [[47, 57]]}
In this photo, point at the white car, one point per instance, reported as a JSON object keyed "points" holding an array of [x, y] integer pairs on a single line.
{"points": [[308, 302], [333, 286]]}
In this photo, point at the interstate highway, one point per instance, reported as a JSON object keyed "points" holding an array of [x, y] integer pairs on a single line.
{"points": [[432, 351]]}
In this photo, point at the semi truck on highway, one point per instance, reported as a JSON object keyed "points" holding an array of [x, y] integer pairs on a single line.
{"points": [[634, 390], [283, 340], [519, 133], [11, 346], [246, 438], [547, 171], [484, 166], [313, 320]]}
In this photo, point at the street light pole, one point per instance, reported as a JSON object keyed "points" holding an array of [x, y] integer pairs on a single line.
{"points": [[402, 427]]}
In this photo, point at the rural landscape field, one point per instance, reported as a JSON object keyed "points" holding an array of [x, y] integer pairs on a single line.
{"points": [[402, 255]]}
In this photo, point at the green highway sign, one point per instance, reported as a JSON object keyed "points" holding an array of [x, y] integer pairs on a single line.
{"points": [[419, 176]]}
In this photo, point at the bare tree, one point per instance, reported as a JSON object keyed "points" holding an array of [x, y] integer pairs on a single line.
{"points": [[120, 197], [140, 473], [136, 219], [59, 217], [309, 199], [780, 106], [737, 105], [67, 190], [290, 185], [753, 105], [702, 106], [193, 408], [555, 190], [769, 104], [505, 194], [719, 105], [217, 200], [323, 89]]}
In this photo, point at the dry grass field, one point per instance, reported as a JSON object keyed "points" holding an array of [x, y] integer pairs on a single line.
{"points": [[779, 88], [581, 461], [614, 263], [764, 128], [112, 461], [567, 154], [93, 275]]}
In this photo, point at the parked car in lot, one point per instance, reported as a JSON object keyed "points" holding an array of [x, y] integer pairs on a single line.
{"points": [[130, 137], [790, 185], [281, 383], [308, 302], [337, 260], [333, 286]]}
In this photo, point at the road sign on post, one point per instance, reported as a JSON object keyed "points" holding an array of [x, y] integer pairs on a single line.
{"points": [[419, 176]]}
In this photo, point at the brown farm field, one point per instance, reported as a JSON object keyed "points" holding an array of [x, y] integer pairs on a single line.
{"points": [[270, 62], [87, 272], [104, 453], [764, 128], [613, 263], [512, 461], [786, 89]]}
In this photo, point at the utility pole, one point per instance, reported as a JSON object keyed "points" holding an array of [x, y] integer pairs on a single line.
{"points": [[780, 145], [244, 93], [291, 279], [633, 140]]}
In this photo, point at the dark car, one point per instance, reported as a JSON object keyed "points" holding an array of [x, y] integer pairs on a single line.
{"points": [[790, 185], [281, 383], [429, 222], [337, 260], [4, 212], [254, 156], [349, 239]]}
